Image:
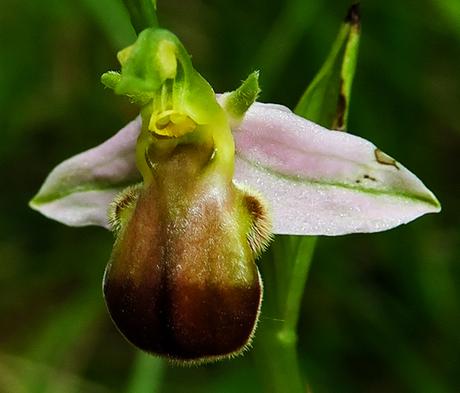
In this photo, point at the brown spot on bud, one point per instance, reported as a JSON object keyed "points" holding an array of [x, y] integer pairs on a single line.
{"points": [[353, 15], [339, 122]]}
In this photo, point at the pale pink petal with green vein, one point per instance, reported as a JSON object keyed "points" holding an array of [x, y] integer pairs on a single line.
{"points": [[320, 182], [78, 191]]}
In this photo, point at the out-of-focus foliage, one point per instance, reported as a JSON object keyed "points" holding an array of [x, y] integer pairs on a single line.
{"points": [[381, 312]]}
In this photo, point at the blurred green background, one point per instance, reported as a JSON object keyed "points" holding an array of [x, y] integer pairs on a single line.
{"points": [[381, 312]]}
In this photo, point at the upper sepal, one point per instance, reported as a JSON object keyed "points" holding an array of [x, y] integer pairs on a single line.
{"points": [[79, 190]]}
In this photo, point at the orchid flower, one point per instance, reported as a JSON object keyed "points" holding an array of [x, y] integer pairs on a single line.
{"points": [[195, 187]]}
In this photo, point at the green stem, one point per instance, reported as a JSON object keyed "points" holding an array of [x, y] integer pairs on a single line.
{"points": [[298, 278], [285, 271], [147, 374], [143, 14], [114, 23], [276, 360]]}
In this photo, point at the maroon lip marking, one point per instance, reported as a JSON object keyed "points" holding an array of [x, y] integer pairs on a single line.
{"points": [[182, 281]]}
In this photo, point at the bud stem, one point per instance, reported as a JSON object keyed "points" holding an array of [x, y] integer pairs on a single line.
{"points": [[142, 13], [147, 374], [285, 270]]}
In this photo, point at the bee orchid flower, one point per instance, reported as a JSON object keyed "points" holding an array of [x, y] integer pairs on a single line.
{"points": [[194, 188]]}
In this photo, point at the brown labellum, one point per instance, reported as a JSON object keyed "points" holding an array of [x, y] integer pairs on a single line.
{"points": [[182, 280]]}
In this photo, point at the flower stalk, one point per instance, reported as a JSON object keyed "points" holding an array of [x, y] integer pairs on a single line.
{"points": [[285, 270], [142, 13]]}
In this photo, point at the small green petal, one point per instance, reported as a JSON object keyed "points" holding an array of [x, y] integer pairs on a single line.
{"points": [[111, 79], [237, 102]]}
